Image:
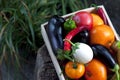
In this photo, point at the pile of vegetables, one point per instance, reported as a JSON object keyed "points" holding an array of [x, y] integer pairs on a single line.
{"points": [[71, 42]]}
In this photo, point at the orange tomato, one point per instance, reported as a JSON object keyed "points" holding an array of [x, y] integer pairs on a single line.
{"points": [[95, 70], [102, 34], [74, 70], [97, 20]]}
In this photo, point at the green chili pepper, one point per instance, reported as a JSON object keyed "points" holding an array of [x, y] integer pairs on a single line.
{"points": [[69, 24]]}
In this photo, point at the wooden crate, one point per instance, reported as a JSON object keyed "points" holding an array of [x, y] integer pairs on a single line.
{"points": [[46, 40]]}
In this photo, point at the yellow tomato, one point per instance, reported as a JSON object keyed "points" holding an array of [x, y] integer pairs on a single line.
{"points": [[97, 20], [74, 70]]}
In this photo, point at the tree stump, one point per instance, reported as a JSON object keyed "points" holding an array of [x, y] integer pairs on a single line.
{"points": [[44, 68]]}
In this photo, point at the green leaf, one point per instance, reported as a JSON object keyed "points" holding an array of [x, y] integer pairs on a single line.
{"points": [[23, 11], [62, 55]]}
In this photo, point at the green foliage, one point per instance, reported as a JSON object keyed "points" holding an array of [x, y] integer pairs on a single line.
{"points": [[20, 22]]}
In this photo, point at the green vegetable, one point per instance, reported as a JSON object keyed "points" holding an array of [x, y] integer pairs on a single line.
{"points": [[116, 48], [69, 24]]}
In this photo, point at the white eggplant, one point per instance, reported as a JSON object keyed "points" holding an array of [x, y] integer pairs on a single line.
{"points": [[83, 53]]}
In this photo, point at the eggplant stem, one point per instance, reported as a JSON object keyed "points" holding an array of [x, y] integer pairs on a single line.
{"points": [[118, 44], [116, 70], [69, 42], [69, 58]]}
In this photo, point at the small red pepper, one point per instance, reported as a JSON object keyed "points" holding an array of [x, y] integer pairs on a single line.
{"points": [[70, 35], [101, 13]]}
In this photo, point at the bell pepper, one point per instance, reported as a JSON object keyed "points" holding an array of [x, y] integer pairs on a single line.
{"points": [[69, 24]]}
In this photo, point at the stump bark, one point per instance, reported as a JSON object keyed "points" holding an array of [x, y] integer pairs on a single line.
{"points": [[44, 68]]}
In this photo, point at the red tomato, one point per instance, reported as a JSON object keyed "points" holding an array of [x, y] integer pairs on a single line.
{"points": [[83, 18]]}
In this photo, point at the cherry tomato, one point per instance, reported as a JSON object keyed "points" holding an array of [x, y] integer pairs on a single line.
{"points": [[83, 18], [95, 70], [74, 70]]}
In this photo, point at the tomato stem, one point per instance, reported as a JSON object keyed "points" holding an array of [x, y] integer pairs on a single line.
{"points": [[94, 5], [74, 65], [71, 17]]}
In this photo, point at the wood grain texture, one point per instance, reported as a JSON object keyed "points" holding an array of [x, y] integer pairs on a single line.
{"points": [[44, 69]]}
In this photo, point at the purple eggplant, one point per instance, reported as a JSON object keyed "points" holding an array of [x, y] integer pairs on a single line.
{"points": [[82, 36], [104, 54], [101, 13], [54, 32]]}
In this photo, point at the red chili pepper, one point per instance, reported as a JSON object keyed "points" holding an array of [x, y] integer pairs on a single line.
{"points": [[70, 35], [101, 13]]}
